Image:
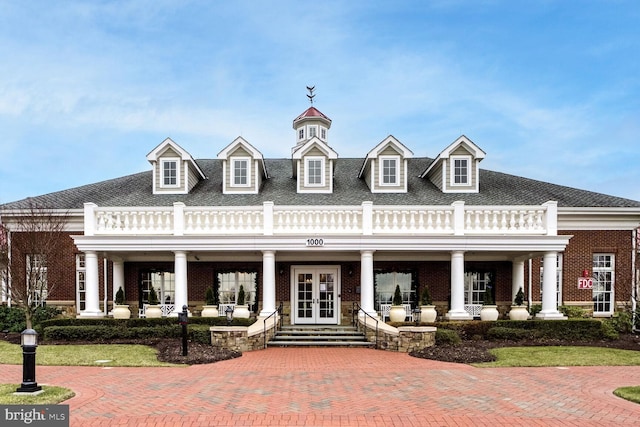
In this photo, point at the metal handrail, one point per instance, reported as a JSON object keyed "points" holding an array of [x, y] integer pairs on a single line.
{"points": [[278, 323], [354, 320]]}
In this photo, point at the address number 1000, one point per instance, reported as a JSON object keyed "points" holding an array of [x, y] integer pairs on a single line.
{"points": [[315, 242]]}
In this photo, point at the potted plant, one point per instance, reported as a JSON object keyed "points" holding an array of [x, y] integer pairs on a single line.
{"points": [[210, 308], [241, 310], [428, 311], [397, 312], [120, 309], [489, 310], [518, 310], [153, 310]]}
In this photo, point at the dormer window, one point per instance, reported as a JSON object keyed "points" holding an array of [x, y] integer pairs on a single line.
{"points": [[460, 170], [240, 172], [170, 172], [301, 133], [323, 134], [314, 172], [389, 170], [312, 131]]}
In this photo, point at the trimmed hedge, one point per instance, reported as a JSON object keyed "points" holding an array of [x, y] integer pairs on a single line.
{"points": [[12, 319], [500, 333], [143, 322], [105, 334], [572, 329]]}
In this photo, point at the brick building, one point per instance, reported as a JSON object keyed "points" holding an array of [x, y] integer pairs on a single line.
{"points": [[318, 232]]}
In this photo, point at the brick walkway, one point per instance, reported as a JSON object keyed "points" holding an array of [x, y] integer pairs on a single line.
{"points": [[342, 386]]}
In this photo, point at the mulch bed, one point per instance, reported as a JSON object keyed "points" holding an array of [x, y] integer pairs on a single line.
{"points": [[170, 350]]}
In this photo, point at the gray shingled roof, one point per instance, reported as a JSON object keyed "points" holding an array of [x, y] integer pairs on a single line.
{"points": [[495, 189]]}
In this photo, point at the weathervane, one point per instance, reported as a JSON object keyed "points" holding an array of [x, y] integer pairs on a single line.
{"points": [[311, 95]]}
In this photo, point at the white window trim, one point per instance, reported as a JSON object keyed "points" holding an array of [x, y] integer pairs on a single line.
{"points": [[313, 131], [323, 133], [612, 269], [233, 171], [81, 268], [381, 160], [162, 167], [301, 133], [41, 291], [452, 171], [322, 171]]}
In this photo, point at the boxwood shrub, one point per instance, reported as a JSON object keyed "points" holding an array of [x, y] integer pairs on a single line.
{"points": [[447, 336]]}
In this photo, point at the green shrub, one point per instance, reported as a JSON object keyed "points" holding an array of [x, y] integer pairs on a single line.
{"points": [[447, 336], [500, 333], [425, 297], [119, 298], [397, 296], [209, 297], [12, 319], [621, 322], [535, 309], [572, 312]]}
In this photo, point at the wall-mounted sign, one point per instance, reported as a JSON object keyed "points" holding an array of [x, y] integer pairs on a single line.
{"points": [[585, 282], [314, 241]]}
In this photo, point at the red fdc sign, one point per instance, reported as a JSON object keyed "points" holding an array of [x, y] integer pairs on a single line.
{"points": [[585, 282]]}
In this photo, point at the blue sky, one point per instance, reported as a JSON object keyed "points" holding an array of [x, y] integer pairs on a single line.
{"points": [[549, 89]]}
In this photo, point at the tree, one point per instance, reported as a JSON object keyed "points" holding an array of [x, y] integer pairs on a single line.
{"points": [[34, 239], [4, 262]]}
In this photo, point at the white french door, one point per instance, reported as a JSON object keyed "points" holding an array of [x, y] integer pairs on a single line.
{"points": [[315, 292]]}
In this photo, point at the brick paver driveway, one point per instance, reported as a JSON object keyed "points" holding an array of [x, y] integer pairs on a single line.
{"points": [[342, 386]]}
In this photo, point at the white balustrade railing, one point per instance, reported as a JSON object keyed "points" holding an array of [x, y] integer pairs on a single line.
{"points": [[366, 219]]}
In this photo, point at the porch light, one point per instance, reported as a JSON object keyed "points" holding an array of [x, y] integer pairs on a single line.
{"points": [[229, 313], [29, 342], [416, 315]]}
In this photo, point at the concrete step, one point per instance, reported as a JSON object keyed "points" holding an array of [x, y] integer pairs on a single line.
{"points": [[318, 336]]}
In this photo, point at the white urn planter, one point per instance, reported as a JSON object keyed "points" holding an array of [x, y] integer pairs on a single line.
{"points": [[518, 312], [397, 313], [121, 311], [241, 311], [209, 311], [489, 312], [428, 313], [153, 312]]}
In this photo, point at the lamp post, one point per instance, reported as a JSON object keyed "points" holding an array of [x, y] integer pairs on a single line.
{"points": [[183, 318], [229, 313], [29, 342]]}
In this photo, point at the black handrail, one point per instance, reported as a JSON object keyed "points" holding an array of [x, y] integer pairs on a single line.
{"points": [[354, 320], [276, 327]]}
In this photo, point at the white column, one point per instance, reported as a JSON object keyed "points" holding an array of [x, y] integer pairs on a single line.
{"points": [[268, 283], [118, 276], [517, 277], [366, 283], [457, 311], [549, 300], [92, 293], [181, 282]]}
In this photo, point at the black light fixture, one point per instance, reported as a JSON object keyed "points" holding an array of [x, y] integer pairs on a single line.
{"points": [[229, 313], [29, 342], [416, 315]]}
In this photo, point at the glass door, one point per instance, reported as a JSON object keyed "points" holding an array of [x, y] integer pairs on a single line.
{"points": [[315, 295]]}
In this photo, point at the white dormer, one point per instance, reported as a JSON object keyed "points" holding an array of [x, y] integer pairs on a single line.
{"points": [[457, 168], [243, 168], [385, 168], [311, 124], [174, 170], [313, 164]]}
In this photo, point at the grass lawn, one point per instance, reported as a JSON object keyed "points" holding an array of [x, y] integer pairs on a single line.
{"points": [[561, 356], [84, 355], [50, 396], [629, 393]]}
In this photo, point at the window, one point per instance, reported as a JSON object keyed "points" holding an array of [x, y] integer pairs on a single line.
{"points": [[81, 282], [475, 285], [315, 171], [229, 284], [389, 170], [37, 286], [323, 134], [603, 282], [170, 173], [240, 172], [558, 279], [301, 133], [312, 131], [164, 284], [460, 170], [385, 286]]}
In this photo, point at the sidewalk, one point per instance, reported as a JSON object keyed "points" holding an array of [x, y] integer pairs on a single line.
{"points": [[342, 386]]}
